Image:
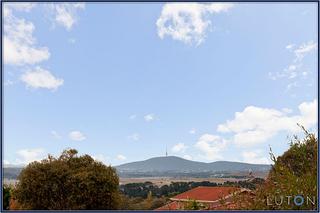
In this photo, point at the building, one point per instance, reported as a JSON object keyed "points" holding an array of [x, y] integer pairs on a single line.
{"points": [[206, 197]]}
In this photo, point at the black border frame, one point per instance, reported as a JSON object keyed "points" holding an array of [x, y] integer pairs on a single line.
{"points": [[154, 1]]}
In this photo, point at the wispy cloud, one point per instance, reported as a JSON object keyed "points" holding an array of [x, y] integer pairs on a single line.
{"points": [[290, 46], [149, 117], [66, 14], [304, 49], [134, 137], [121, 157], [55, 134], [77, 136], [296, 68], [192, 131]]}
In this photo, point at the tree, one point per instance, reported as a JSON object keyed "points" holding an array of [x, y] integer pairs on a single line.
{"points": [[293, 175], [69, 182], [6, 190], [192, 205], [149, 200]]}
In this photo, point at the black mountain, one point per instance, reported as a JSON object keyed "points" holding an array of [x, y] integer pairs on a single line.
{"points": [[176, 164]]}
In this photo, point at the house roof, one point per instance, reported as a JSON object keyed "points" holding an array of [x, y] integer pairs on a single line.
{"points": [[205, 193], [170, 206]]}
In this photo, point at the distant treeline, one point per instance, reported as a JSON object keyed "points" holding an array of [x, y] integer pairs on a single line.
{"points": [[143, 189], [133, 174], [13, 173]]}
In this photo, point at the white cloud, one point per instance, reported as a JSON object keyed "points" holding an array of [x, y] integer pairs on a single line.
{"points": [[192, 131], [101, 158], [149, 117], [187, 157], [179, 147], [121, 157], [211, 146], [77, 136], [250, 118], [19, 44], [287, 110], [188, 22], [55, 134], [65, 14], [134, 137], [255, 157], [20, 47], [256, 125], [252, 137], [41, 78], [29, 155]]}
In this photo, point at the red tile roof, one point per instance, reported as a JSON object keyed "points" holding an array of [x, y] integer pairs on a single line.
{"points": [[170, 206], [206, 193]]}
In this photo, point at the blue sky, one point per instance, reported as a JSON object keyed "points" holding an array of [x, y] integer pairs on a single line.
{"points": [[122, 82]]}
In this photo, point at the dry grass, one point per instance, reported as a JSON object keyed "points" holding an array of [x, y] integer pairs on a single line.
{"points": [[160, 181]]}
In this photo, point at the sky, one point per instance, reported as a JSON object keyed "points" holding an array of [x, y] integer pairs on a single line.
{"points": [[124, 82]]}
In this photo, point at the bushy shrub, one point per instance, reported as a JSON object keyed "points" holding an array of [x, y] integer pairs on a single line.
{"points": [[69, 182], [293, 176]]}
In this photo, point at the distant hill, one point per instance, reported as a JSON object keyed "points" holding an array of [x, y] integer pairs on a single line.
{"points": [[11, 172], [176, 164]]}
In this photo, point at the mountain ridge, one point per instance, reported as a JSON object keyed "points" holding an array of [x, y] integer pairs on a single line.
{"points": [[174, 163]]}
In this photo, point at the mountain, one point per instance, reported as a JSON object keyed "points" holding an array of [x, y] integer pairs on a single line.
{"points": [[162, 164], [176, 164], [11, 172]]}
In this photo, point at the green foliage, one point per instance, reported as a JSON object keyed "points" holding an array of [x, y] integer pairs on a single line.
{"points": [[69, 182], [294, 173], [248, 184], [138, 203], [142, 189], [6, 190], [192, 205], [149, 200]]}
